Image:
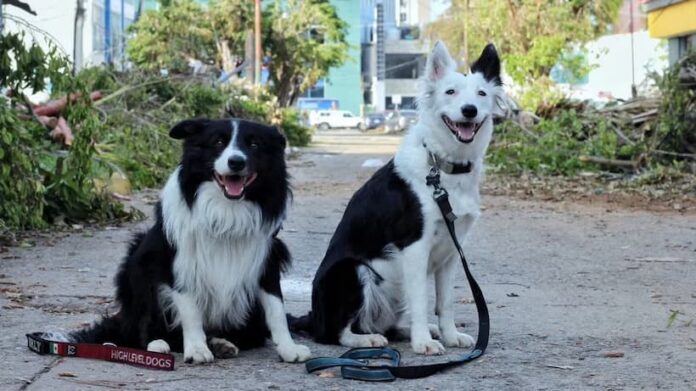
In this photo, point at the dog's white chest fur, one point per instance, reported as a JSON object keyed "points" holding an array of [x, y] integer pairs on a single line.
{"points": [[219, 251], [463, 190]]}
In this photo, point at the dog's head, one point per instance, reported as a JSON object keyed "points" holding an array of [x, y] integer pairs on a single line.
{"points": [[457, 109], [245, 159]]}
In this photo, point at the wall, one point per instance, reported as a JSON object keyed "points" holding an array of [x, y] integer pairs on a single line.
{"points": [[344, 82]]}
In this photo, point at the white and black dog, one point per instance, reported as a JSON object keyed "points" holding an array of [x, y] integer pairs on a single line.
{"points": [[205, 278], [373, 278]]}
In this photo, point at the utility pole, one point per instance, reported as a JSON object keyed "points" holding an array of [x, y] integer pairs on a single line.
{"points": [[122, 43], [466, 30], [634, 91], [77, 37], [257, 43], [107, 32]]}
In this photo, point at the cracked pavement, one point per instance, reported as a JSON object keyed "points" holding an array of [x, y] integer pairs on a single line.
{"points": [[570, 287]]}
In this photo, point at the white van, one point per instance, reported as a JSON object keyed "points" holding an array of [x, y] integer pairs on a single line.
{"points": [[327, 119]]}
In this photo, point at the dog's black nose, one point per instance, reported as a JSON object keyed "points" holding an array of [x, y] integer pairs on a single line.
{"points": [[469, 111], [236, 163]]}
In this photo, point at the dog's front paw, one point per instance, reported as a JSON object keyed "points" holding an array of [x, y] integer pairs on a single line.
{"points": [[197, 354], [294, 352], [457, 340], [428, 347], [222, 348], [158, 346]]}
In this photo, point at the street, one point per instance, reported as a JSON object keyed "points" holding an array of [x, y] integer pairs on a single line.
{"points": [[580, 295]]}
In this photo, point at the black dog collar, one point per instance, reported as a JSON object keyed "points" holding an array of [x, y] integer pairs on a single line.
{"points": [[448, 167]]}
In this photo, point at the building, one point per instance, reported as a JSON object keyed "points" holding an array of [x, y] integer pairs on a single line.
{"points": [[343, 83], [97, 46], [393, 54], [621, 61], [674, 20]]}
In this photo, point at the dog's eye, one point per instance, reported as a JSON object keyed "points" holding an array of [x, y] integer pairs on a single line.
{"points": [[253, 144], [482, 93], [449, 92], [219, 142]]}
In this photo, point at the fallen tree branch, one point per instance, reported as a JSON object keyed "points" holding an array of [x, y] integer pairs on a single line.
{"points": [[54, 107], [125, 89], [609, 162]]}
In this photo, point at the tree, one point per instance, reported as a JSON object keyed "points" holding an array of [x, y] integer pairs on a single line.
{"points": [[230, 20], [304, 39], [531, 35], [169, 37]]}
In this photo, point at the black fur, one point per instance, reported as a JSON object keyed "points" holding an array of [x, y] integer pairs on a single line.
{"points": [[150, 257], [383, 211], [488, 64]]}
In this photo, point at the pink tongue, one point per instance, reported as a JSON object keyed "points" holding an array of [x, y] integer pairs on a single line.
{"points": [[466, 132], [234, 187]]}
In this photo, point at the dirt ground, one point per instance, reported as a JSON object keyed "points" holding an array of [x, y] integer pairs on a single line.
{"points": [[583, 295]]}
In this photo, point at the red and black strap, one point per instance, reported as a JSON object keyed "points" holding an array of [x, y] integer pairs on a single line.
{"points": [[107, 352]]}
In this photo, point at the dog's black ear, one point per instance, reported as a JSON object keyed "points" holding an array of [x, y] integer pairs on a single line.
{"points": [[279, 136], [187, 128], [439, 62], [488, 64]]}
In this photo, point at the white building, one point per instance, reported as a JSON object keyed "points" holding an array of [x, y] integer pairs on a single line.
{"points": [[57, 19]]}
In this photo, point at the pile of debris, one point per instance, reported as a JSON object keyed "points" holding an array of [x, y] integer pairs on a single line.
{"points": [[659, 128]]}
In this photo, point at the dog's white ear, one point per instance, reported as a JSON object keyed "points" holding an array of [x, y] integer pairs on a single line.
{"points": [[488, 64], [187, 128], [439, 62]]}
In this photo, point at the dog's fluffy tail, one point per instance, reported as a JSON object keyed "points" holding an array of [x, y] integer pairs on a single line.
{"points": [[108, 329], [300, 325]]}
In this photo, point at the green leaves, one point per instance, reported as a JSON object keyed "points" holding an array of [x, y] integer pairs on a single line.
{"points": [[304, 39], [182, 30], [531, 35]]}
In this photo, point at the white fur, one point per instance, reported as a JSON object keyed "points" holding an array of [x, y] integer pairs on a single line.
{"points": [[404, 291], [231, 150], [158, 346], [350, 339], [277, 323], [221, 246]]}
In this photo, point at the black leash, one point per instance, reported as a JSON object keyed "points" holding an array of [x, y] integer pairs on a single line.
{"points": [[354, 363]]}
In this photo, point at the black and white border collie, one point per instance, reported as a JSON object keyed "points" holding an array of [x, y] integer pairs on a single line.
{"points": [[373, 278], [205, 279]]}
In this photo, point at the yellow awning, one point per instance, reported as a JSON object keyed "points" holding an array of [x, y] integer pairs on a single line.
{"points": [[674, 20]]}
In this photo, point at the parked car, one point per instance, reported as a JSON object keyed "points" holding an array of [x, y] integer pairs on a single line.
{"points": [[375, 120], [398, 121], [327, 119]]}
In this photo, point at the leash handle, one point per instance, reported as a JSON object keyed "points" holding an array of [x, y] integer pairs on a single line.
{"points": [[107, 352]]}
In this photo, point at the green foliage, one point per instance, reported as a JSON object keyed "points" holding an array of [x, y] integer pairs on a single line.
{"points": [[532, 36], [21, 187], [169, 37], [304, 39], [555, 146], [39, 180], [676, 125]]}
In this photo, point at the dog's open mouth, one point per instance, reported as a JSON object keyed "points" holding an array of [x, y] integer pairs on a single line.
{"points": [[234, 185], [464, 131]]}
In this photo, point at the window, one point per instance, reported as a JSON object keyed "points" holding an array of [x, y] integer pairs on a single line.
{"points": [[402, 17], [403, 66], [347, 115]]}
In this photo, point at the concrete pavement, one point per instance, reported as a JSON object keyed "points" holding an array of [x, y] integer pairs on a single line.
{"points": [[568, 286]]}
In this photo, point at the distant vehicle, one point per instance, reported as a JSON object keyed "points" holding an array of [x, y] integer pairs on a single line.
{"points": [[317, 104], [327, 119], [375, 120], [398, 121]]}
